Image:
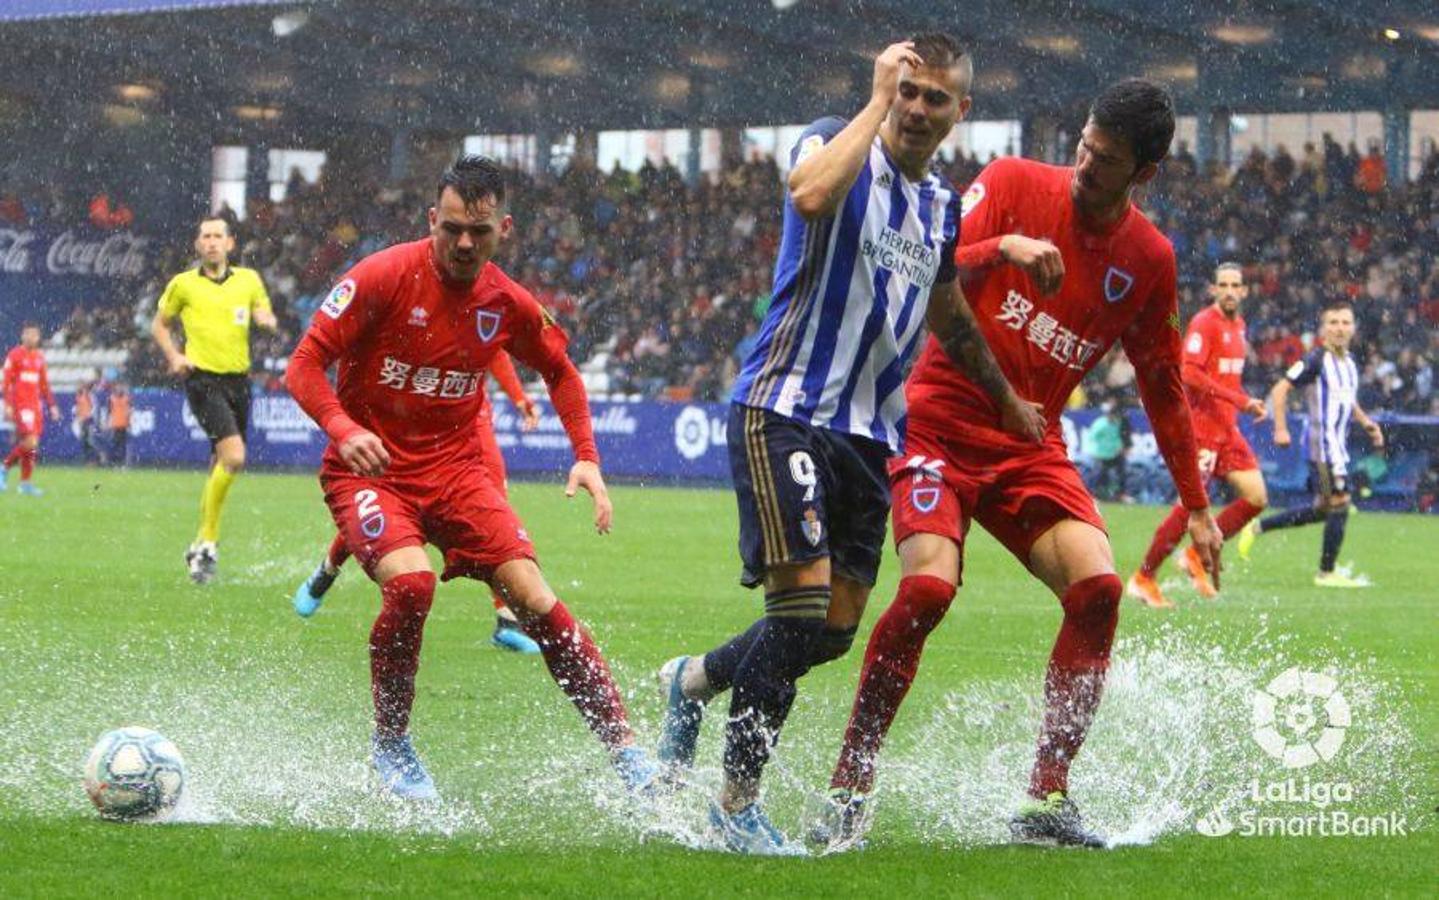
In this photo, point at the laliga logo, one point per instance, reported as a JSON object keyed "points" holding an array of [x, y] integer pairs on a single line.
{"points": [[1286, 721], [692, 432]]}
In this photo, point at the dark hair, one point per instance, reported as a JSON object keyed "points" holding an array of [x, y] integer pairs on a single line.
{"points": [[1229, 265], [937, 49], [215, 217], [1139, 111], [1336, 304], [29, 323], [473, 177], [942, 51]]}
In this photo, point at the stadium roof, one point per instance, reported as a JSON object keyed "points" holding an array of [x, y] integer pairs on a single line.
{"points": [[524, 65]]}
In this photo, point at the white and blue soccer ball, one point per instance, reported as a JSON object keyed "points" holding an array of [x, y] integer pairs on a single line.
{"points": [[134, 773]]}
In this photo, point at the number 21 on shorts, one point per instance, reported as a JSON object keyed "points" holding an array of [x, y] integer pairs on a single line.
{"points": [[367, 510]]}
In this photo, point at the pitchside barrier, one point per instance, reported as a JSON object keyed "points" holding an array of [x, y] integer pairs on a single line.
{"points": [[685, 442]]}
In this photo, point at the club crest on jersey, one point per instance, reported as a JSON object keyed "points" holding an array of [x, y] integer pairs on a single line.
{"points": [[1117, 283], [339, 298], [487, 324], [374, 526], [925, 499], [812, 527]]}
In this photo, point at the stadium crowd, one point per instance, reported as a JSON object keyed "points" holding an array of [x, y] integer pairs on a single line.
{"points": [[661, 284]]}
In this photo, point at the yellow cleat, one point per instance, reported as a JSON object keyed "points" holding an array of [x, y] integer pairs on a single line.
{"points": [[1191, 565], [1247, 536], [1338, 580], [1146, 590]]}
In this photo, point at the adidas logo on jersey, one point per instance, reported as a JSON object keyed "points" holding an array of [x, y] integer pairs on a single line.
{"points": [[884, 181]]}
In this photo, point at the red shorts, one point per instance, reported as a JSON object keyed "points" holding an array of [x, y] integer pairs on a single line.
{"points": [[29, 421], [1224, 452], [458, 509], [1017, 492]]}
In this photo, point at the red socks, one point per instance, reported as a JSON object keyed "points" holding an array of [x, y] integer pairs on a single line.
{"points": [[1075, 679], [25, 457], [337, 553], [1235, 516], [1166, 537], [890, 662], [580, 671], [395, 648]]}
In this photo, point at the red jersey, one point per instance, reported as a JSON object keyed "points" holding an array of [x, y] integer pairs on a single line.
{"points": [[1214, 354], [1119, 285], [412, 352], [26, 379]]}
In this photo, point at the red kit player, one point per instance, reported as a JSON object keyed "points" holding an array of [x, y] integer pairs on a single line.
{"points": [[412, 330], [1214, 352], [508, 635], [26, 384], [1059, 264]]}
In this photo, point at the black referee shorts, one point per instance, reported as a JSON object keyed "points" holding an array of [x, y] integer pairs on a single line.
{"points": [[220, 403], [806, 493]]}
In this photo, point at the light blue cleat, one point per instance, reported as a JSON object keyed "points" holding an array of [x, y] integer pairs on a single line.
{"points": [[4, 478], [680, 730], [637, 771], [30, 490], [310, 594], [400, 770], [508, 636], [750, 832]]}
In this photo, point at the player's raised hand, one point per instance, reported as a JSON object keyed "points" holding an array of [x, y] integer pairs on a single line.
{"points": [[1023, 418], [529, 415], [365, 454], [887, 69], [1208, 541], [1040, 260], [585, 474], [1256, 408]]}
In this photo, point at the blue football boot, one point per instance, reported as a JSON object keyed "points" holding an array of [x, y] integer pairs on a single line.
{"points": [[400, 770]]}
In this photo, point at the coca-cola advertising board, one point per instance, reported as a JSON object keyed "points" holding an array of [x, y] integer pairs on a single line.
{"points": [[46, 272]]}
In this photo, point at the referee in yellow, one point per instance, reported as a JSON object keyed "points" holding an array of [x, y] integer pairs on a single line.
{"points": [[215, 302]]}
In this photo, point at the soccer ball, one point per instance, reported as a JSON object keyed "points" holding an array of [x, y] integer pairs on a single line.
{"points": [[133, 773]]}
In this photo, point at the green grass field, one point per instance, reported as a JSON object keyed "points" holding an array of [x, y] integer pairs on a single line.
{"points": [[99, 628]]}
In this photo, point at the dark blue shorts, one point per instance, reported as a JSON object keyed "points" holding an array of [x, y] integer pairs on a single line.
{"points": [[806, 493]]}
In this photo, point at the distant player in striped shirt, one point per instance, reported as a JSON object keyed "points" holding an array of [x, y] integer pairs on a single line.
{"points": [[866, 259], [1330, 379]]}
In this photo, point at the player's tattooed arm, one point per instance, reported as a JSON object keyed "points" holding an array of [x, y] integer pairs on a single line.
{"points": [[952, 322]]}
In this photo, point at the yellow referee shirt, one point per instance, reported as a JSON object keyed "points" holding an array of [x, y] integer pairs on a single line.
{"points": [[216, 316]]}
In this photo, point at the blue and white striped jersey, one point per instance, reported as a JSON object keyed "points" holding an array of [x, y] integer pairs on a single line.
{"points": [[1330, 383], [850, 293]]}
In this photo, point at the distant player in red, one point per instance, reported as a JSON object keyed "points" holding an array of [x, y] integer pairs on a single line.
{"points": [[1058, 265], [1215, 348], [508, 635], [412, 330], [26, 385]]}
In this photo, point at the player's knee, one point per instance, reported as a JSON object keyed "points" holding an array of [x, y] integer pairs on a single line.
{"points": [[831, 644], [1258, 499], [1093, 603], [925, 601], [411, 594], [232, 459]]}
